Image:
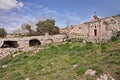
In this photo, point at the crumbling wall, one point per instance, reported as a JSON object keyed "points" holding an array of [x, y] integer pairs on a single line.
{"points": [[97, 30], [10, 45]]}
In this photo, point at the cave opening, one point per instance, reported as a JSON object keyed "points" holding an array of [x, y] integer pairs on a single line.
{"points": [[34, 42], [10, 44]]}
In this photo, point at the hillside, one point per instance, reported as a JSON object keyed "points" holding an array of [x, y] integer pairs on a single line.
{"points": [[57, 62]]}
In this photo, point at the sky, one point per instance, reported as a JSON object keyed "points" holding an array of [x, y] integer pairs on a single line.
{"points": [[14, 13]]}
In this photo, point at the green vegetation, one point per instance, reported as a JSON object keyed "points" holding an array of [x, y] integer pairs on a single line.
{"points": [[47, 26], [118, 34], [43, 27], [116, 37], [56, 62], [27, 27]]}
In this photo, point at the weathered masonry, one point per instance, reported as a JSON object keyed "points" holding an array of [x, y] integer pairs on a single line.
{"points": [[97, 29], [30, 41]]}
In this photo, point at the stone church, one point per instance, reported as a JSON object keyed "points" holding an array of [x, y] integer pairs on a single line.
{"points": [[97, 29]]}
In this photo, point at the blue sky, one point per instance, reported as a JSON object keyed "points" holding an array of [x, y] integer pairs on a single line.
{"points": [[13, 13]]}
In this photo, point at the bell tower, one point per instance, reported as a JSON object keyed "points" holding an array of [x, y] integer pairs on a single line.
{"points": [[94, 17]]}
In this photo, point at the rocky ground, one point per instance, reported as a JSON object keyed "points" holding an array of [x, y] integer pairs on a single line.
{"points": [[68, 60], [7, 51]]}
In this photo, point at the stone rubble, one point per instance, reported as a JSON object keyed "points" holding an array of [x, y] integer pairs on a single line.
{"points": [[90, 72], [105, 77], [27, 79], [4, 66], [6, 51], [75, 66]]}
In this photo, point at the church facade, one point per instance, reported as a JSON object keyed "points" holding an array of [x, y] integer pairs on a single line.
{"points": [[97, 29]]}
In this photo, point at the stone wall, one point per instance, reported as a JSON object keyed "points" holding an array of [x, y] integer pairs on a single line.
{"points": [[25, 41], [97, 29]]}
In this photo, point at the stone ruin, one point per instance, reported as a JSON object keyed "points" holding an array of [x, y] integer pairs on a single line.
{"points": [[97, 29], [10, 45]]}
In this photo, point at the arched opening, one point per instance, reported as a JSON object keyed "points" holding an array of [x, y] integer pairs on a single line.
{"points": [[95, 32], [10, 44], [34, 42], [95, 26]]}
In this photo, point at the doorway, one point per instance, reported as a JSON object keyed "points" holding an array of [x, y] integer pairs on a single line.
{"points": [[95, 32]]}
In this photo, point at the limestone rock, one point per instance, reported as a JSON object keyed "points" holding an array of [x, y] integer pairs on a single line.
{"points": [[27, 79], [4, 66], [105, 77], [84, 41], [90, 72], [75, 66]]}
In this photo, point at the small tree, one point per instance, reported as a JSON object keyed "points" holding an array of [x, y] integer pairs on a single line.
{"points": [[27, 27], [47, 26], [3, 33]]}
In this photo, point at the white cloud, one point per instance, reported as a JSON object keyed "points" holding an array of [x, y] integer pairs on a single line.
{"points": [[14, 21], [10, 4], [20, 4], [50, 11]]}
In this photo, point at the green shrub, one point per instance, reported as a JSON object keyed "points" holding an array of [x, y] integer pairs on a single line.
{"points": [[118, 34], [68, 40], [114, 38]]}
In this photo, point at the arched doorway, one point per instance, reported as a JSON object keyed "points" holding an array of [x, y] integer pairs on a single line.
{"points": [[95, 32], [10, 44], [34, 42]]}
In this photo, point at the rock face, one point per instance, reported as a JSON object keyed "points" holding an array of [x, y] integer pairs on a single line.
{"points": [[97, 29]]}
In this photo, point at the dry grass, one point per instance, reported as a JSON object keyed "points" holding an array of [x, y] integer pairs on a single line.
{"points": [[56, 62]]}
